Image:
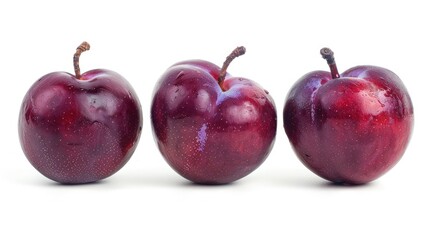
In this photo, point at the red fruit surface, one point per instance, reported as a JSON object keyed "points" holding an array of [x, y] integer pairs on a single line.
{"points": [[350, 129], [209, 134], [80, 130]]}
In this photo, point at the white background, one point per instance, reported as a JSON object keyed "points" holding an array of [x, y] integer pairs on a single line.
{"points": [[147, 199]]}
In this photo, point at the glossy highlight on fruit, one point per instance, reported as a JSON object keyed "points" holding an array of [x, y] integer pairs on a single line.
{"points": [[349, 128], [80, 128], [210, 127]]}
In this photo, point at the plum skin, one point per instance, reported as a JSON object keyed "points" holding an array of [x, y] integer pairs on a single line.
{"points": [[207, 135], [351, 129], [80, 130]]}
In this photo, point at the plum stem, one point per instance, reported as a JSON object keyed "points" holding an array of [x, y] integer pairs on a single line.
{"points": [[236, 53], [82, 48], [328, 55]]}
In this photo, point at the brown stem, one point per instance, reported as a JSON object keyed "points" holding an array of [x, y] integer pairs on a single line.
{"points": [[236, 53], [328, 55], [82, 48]]}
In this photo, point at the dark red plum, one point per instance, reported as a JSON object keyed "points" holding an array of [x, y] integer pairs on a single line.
{"points": [[210, 127], [80, 128], [349, 128]]}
